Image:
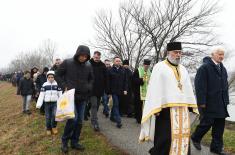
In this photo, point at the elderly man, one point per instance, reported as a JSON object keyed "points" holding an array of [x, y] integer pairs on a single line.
{"points": [[169, 98], [212, 98]]}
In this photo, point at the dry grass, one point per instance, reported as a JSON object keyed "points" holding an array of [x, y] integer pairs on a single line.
{"points": [[22, 134]]}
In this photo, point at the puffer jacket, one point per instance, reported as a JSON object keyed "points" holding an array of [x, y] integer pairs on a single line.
{"points": [[75, 74], [50, 92]]}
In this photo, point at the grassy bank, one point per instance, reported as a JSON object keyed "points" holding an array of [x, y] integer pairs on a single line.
{"points": [[22, 134]]}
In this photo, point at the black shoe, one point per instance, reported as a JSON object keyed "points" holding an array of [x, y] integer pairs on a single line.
{"points": [[78, 147], [96, 128], [219, 153], [129, 115], [106, 115], [86, 118], [64, 148], [28, 112], [112, 119], [196, 145], [119, 125]]}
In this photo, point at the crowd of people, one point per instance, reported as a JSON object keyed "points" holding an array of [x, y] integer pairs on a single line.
{"points": [[159, 99]]}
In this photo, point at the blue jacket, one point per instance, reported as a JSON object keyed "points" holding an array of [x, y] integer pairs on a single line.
{"points": [[117, 81], [211, 87]]}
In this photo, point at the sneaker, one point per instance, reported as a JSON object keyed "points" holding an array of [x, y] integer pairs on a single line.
{"points": [[54, 131], [48, 132], [96, 128], [78, 147]]}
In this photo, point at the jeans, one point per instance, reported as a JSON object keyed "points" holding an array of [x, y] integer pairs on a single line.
{"points": [[26, 102], [73, 127], [115, 109], [95, 101], [50, 110], [105, 102]]}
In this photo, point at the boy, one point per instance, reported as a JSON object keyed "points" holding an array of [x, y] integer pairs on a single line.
{"points": [[50, 93], [25, 89]]}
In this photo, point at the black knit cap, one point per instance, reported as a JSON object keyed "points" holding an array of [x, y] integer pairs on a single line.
{"points": [[172, 46], [147, 62], [45, 69], [125, 62]]}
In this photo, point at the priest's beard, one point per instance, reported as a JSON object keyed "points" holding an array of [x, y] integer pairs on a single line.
{"points": [[175, 61]]}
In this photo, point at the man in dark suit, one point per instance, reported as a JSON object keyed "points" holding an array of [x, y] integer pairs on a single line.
{"points": [[211, 87]]}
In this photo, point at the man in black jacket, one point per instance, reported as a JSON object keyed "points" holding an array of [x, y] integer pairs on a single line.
{"points": [[126, 100], [41, 79], [100, 76], [117, 86], [76, 73], [211, 87]]}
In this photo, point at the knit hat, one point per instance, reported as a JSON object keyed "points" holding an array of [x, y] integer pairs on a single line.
{"points": [[125, 62], [50, 73], [45, 69]]}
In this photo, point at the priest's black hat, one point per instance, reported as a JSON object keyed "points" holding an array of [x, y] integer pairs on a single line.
{"points": [[147, 62], [125, 62], [172, 46]]}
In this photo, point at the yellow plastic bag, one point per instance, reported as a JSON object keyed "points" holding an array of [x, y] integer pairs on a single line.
{"points": [[65, 106]]}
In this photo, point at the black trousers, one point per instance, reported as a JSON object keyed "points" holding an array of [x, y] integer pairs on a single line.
{"points": [[217, 125], [162, 137], [138, 110]]}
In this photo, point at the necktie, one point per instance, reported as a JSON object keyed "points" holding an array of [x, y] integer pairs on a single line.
{"points": [[219, 67]]}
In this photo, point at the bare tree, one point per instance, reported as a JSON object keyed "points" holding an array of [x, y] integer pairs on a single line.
{"points": [[143, 31], [121, 38], [41, 57], [172, 20], [48, 48]]}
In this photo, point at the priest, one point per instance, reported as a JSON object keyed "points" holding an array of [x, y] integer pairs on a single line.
{"points": [[169, 100]]}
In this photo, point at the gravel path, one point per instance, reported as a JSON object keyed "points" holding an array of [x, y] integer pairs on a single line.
{"points": [[126, 138]]}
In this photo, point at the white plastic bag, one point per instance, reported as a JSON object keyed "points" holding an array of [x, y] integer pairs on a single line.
{"points": [[65, 106]]}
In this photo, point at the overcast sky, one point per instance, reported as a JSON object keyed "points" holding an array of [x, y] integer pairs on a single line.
{"points": [[24, 24]]}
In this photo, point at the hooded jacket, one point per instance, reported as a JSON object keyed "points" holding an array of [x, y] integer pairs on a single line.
{"points": [[74, 74], [211, 87]]}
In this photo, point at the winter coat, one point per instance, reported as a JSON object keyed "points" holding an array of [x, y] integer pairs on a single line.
{"points": [[74, 74], [50, 92], [41, 79], [100, 78], [26, 87], [117, 81], [211, 87]]}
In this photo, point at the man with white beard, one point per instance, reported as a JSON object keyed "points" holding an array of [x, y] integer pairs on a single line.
{"points": [[169, 99]]}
